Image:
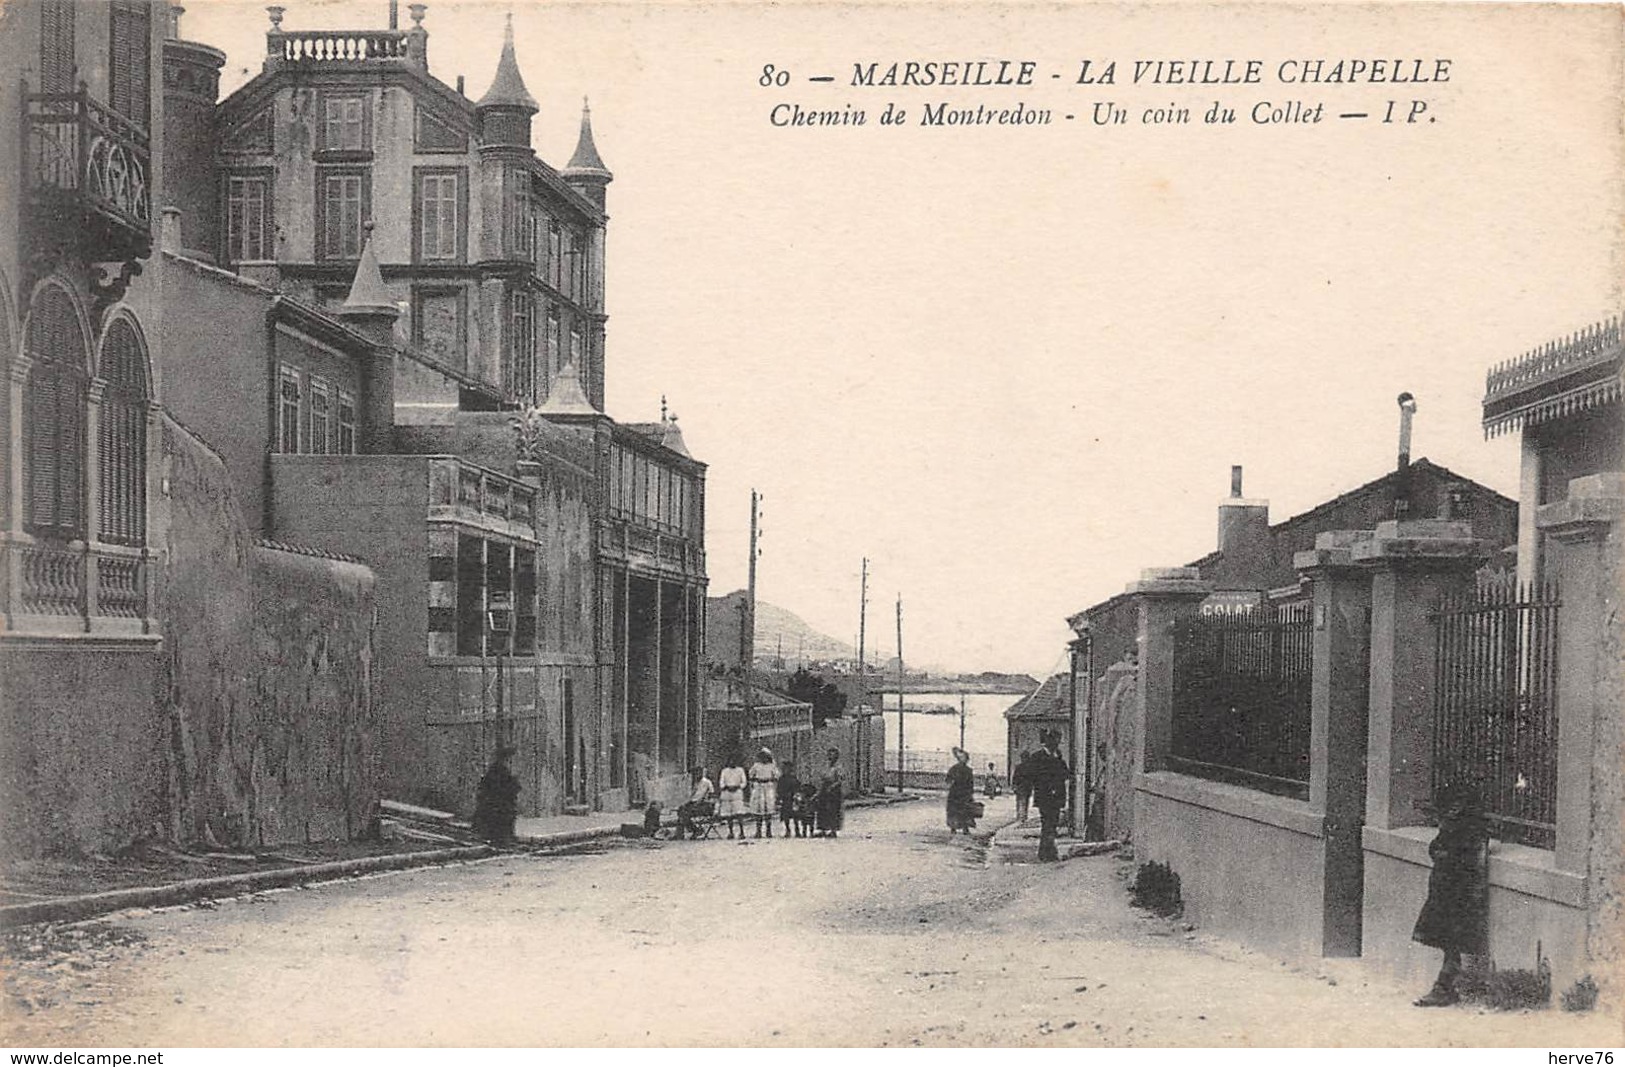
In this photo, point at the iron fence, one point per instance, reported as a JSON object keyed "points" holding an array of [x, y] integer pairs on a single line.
{"points": [[1241, 702], [1495, 704]]}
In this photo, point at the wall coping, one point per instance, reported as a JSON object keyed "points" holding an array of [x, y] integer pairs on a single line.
{"points": [[1239, 801], [1517, 868], [44, 641]]}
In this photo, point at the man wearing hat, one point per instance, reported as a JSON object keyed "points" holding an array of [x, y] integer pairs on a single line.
{"points": [[1049, 775]]}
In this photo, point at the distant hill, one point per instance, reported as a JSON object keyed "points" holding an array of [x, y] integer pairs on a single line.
{"points": [[801, 641]]}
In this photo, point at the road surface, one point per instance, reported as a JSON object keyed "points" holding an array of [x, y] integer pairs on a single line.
{"points": [[895, 934]]}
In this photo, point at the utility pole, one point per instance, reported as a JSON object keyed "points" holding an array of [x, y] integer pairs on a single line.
{"points": [[748, 626], [863, 720], [961, 719], [901, 748], [750, 590]]}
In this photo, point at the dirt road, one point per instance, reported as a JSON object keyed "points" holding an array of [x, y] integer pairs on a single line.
{"points": [[894, 934]]}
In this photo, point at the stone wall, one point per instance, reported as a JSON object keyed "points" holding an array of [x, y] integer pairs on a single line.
{"points": [[244, 719], [265, 675], [1116, 733]]}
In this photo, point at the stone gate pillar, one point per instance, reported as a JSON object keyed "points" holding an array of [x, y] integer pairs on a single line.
{"points": [[1163, 595], [1583, 547], [1338, 724], [1413, 564]]}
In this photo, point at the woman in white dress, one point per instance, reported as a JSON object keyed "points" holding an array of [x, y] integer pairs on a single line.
{"points": [[731, 796], [764, 791]]}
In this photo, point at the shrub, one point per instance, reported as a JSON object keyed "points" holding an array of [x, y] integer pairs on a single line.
{"points": [[1513, 990], [1156, 889], [1581, 996]]}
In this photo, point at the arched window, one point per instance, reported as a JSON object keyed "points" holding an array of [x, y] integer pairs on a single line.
{"points": [[122, 445], [54, 418]]}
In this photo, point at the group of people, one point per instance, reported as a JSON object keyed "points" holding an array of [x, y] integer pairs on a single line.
{"points": [[764, 792]]}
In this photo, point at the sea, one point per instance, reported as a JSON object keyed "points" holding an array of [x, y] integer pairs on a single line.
{"points": [[928, 738]]}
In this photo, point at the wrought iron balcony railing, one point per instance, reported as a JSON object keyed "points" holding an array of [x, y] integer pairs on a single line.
{"points": [[89, 169]]}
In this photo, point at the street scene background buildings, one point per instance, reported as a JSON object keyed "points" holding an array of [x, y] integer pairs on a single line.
{"points": [[314, 496]]}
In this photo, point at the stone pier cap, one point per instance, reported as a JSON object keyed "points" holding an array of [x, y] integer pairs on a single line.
{"points": [[1171, 581], [1594, 499], [1333, 548], [1434, 540]]}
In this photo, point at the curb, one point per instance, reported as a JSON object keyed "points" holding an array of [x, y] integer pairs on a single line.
{"points": [[73, 909]]}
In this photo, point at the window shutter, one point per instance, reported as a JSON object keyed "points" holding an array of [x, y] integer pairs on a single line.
{"points": [[121, 448], [53, 422], [56, 46], [130, 47], [71, 445]]}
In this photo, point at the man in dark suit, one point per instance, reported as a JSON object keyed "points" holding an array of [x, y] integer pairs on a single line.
{"points": [[1050, 776]]}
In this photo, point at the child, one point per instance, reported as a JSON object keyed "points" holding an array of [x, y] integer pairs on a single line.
{"points": [[807, 809], [1455, 916], [789, 797]]}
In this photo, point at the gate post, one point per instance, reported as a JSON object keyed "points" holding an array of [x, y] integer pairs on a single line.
{"points": [[1583, 535], [1337, 727], [1414, 563], [1162, 594]]}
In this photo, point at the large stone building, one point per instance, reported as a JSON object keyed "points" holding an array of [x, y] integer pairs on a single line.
{"points": [[165, 671], [304, 506], [542, 565]]}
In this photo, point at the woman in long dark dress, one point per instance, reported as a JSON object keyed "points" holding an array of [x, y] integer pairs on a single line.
{"points": [[1455, 917], [961, 794], [496, 801], [831, 796]]}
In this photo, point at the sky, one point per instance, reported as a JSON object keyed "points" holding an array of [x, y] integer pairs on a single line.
{"points": [[1012, 366]]}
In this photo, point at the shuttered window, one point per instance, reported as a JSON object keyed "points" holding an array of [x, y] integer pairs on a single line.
{"points": [[346, 414], [341, 209], [522, 348], [287, 410], [130, 62], [344, 126], [122, 433], [56, 46], [439, 216], [246, 219], [54, 418], [321, 416]]}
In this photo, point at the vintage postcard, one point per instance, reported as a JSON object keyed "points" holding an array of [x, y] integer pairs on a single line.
{"points": [[811, 524]]}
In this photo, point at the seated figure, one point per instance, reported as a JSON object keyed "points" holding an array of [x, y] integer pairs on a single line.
{"points": [[700, 803]]}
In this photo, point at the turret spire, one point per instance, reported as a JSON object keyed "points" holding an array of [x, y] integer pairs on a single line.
{"points": [[586, 163], [508, 87], [368, 294]]}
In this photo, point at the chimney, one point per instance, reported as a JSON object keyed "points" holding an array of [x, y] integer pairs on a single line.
{"points": [[1402, 481], [1244, 526]]}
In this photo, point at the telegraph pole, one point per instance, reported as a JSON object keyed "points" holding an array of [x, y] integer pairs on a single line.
{"points": [[863, 720], [901, 748], [962, 719], [750, 590], [747, 637]]}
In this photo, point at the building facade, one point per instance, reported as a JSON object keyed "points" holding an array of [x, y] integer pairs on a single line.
{"points": [[157, 651], [542, 564]]}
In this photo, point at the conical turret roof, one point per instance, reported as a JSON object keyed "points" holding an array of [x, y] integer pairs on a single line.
{"points": [[671, 438], [586, 163], [508, 87], [565, 396], [368, 293]]}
